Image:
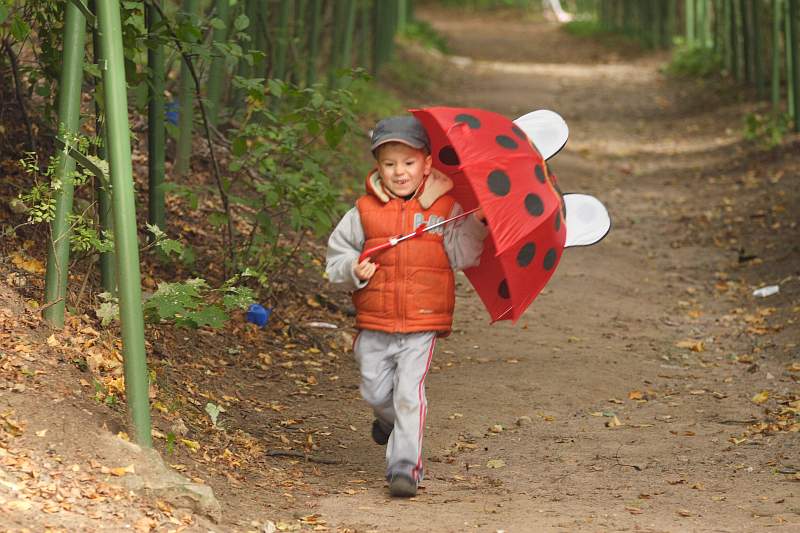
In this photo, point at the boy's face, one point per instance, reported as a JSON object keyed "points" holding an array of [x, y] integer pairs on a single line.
{"points": [[402, 168]]}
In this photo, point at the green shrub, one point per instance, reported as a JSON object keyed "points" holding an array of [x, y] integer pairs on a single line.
{"points": [[768, 130], [694, 61], [584, 28], [423, 33]]}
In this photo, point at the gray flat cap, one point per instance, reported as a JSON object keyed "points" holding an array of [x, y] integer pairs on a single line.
{"points": [[406, 130]]}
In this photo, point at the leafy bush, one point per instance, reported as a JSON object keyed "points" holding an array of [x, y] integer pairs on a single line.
{"points": [[192, 304], [584, 28], [423, 33], [39, 201], [281, 186], [694, 61], [768, 131]]}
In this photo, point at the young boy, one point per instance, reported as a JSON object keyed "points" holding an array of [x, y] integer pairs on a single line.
{"points": [[404, 296]]}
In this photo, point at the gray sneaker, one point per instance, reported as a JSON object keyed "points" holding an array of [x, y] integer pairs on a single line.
{"points": [[402, 486]]}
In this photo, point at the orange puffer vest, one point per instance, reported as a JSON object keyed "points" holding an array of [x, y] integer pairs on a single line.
{"points": [[413, 289]]}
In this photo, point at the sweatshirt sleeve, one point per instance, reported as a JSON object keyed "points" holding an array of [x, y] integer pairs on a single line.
{"points": [[344, 246], [463, 240]]}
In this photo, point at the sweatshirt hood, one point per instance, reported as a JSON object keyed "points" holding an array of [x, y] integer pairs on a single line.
{"points": [[433, 187]]}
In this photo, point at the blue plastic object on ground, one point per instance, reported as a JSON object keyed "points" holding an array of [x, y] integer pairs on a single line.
{"points": [[258, 314], [171, 112]]}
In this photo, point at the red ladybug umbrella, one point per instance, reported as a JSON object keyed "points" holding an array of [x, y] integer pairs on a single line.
{"points": [[495, 166]]}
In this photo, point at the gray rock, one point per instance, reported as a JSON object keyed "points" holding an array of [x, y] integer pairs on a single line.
{"points": [[524, 421], [153, 479]]}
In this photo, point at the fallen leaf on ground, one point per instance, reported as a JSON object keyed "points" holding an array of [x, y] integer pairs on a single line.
{"points": [[495, 463], [760, 398], [193, 445], [693, 345], [28, 264]]}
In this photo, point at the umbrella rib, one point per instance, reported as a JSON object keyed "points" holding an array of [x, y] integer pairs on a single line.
{"points": [[504, 313]]}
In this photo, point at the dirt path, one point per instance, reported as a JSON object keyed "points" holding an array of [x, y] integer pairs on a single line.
{"points": [[602, 340], [645, 389]]}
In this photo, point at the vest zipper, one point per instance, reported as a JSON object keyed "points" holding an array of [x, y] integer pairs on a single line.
{"points": [[399, 274]]}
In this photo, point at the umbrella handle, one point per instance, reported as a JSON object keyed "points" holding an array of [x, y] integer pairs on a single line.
{"points": [[422, 228], [375, 249]]}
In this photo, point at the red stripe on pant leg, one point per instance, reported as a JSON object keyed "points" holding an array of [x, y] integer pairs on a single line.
{"points": [[423, 409]]}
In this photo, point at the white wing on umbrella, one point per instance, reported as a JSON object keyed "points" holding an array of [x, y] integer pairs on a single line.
{"points": [[587, 220], [548, 131]]}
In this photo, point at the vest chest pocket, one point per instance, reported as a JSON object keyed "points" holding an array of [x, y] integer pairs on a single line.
{"points": [[431, 292]]}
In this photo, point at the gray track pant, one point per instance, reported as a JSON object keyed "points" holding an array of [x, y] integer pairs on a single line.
{"points": [[393, 370]]}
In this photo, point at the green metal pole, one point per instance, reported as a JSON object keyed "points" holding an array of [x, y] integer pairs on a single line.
{"points": [[108, 273], [671, 15], [758, 52], [337, 40], [217, 71], [362, 41], [69, 105], [791, 43], [777, 28], [313, 41], [346, 60], [156, 132], [747, 39], [734, 37], [298, 53], [281, 46], [125, 238], [790, 51], [259, 27], [185, 106], [402, 14], [701, 23]]}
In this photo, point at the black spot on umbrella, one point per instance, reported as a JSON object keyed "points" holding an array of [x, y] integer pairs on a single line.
{"points": [[448, 156], [519, 133], [534, 204], [550, 259], [499, 182], [526, 254], [502, 290], [506, 142], [469, 120], [558, 221], [539, 171], [563, 203]]}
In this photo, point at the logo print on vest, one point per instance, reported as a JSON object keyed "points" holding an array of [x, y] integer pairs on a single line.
{"points": [[419, 219]]}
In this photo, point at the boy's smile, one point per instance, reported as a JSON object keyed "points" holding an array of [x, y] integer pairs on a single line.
{"points": [[402, 168]]}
